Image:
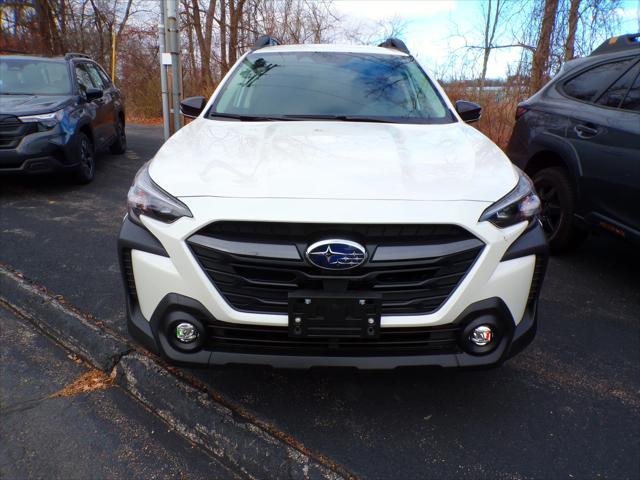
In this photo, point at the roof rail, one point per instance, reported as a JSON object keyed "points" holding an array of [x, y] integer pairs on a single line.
{"points": [[13, 51], [70, 55], [618, 44], [396, 44], [264, 41]]}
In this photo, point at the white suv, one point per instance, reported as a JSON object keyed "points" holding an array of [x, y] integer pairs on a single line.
{"points": [[329, 206]]}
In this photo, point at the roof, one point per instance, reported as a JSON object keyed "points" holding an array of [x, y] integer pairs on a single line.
{"points": [[576, 63], [33, 57], [621, 43], [330, 47]]}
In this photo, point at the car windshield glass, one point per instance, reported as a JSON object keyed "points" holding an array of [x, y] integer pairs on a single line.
{"points": [[331, 85], [33, 77]]}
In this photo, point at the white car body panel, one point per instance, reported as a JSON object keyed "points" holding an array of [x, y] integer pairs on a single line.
{"points": [[332, 160]]}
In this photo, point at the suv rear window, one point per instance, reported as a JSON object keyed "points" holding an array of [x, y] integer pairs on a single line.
{"points": [[587, 85], [332, 84], [632, 100], [616, 93]]}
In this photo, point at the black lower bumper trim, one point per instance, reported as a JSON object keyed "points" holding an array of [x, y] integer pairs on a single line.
{"points": [[153, 335], [38, 165]]}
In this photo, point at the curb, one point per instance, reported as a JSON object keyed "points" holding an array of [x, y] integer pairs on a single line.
{"points": [[228, 432], [66, 326], [195, 415]]}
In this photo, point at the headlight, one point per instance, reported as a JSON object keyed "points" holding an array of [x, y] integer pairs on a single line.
{"points": [[519, 205], [147, 198], [47, 119]]}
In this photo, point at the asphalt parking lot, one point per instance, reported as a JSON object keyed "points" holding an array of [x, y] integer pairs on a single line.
{"points": [[569, 406], [54, 408]]}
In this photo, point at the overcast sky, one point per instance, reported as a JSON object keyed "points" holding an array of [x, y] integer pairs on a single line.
{"points": [[435, 28]]}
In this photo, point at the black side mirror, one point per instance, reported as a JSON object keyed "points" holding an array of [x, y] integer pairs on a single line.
{"points": [[192, 107], [93, 94], [469, 112]]}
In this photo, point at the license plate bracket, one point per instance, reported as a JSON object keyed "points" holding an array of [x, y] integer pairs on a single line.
{"points": [[337, 315]]}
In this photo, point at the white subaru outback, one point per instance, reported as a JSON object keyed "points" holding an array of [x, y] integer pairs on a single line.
{"points": [[329, 206]]}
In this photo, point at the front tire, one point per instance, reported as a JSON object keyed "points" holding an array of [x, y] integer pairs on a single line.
{"points": [[86, 169], [119, 145], [559, 198]]}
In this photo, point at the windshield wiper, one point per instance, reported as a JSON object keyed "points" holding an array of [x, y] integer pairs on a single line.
{"points": [[347, 118], [247, 118], [341, 118]]}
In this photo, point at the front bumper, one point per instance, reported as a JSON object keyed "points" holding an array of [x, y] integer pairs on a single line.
{"points": [[40, 152], [154, 335], [162, 276]]}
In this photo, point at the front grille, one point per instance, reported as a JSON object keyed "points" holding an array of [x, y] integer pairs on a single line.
{"points": [[13, 130], [229, 337], [310, 232], [408, 286]]}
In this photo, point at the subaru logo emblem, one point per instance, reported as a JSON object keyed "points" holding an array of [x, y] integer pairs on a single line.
{"points": [[336, 254]]}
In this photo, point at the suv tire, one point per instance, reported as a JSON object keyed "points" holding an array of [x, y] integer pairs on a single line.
{"points": [[86, 159], [558, 197], [119, 145]]}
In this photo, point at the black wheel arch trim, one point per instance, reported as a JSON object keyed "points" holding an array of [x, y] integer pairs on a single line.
{"points": [[561, 148], [85, 125]]}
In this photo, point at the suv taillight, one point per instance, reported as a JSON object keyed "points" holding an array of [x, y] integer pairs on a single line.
{"points": [[520, 111]]}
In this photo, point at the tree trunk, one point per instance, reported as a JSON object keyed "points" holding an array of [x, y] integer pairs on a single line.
{"points": [[487, 46], [208, 37], [235, 14], [204, 38], [99, 24], [223, 37], [45, 22], [569, 44], [490, 27], [541, 56]]}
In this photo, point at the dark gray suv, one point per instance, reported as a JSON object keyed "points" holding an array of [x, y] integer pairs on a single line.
{"points": [[579, 140], [55, 113]]}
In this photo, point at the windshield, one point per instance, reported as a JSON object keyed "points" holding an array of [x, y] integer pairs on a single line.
{"points": [[33, 77], [348, 86]]}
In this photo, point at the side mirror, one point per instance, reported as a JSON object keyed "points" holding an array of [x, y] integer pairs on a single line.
{"points": [[469, 112], [93, 94], [192, 107]]}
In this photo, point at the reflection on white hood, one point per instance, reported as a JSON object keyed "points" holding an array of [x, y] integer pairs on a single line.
{"points": [[332, 160]]}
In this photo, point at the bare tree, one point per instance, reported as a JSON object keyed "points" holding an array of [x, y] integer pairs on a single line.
{"points": [[574, 11], [491, 15], [543, 49], [204, 36]]}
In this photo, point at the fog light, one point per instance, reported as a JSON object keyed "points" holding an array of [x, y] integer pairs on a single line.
{"points": [[481, 335], [186, 332]]}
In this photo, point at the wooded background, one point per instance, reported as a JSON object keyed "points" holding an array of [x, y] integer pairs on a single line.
{"points": [[214, 33]]}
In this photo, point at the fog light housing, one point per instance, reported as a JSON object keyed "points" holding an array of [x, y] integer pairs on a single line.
{"points": [[481, 335], [186, 332]]}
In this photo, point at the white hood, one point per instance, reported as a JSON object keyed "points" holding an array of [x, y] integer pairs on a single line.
{"points": [[332, 160]]}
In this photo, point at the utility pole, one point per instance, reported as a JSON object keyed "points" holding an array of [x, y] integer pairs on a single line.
{"points": [[165, 59], [174, 48]]}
